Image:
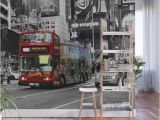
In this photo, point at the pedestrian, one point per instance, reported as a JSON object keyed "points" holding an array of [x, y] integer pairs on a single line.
{"points": [[2, 78], [9, 79], [8, 74], [93, 67], [2, 75]]}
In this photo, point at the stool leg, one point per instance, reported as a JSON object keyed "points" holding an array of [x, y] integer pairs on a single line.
{"points": [[94, 104], [81, 105]]}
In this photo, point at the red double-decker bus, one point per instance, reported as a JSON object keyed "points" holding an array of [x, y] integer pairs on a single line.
{"points": [[45, 60]]}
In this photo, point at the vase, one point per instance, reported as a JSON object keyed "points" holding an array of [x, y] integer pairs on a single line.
{"points": [[135, 91]]}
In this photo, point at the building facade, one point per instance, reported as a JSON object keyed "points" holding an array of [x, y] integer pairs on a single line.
{"points": [[54, 19], [5, 13], [57, 24]]}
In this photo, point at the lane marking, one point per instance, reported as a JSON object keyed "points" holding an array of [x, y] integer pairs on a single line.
{"points": [[44, 93], [31, 95], [72, 102]]}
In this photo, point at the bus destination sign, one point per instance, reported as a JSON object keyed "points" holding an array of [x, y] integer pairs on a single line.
{"points": [[35, 49]]}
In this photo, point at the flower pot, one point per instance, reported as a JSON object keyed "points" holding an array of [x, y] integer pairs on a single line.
{"points": [[135, 91]]}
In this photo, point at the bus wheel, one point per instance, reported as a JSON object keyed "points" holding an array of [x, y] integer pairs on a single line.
{"points": [[62, 82]]}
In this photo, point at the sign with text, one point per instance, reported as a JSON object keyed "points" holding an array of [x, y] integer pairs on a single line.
{"points": [[35, 49], [84, 24]]}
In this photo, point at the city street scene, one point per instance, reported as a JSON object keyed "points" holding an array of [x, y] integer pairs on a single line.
{"points": [[51, 48]]}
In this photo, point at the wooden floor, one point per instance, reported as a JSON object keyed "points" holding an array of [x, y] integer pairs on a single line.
{"points": [[147, 108]]}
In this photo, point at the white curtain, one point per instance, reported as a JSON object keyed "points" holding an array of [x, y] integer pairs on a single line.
{"points": [[151, 49]]}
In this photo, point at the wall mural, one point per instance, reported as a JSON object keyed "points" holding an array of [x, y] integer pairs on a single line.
{"points": [[116, 14], [42, 57]]}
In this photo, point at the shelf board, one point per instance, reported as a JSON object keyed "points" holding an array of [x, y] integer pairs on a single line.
{"points": [[116, 51], [119, 106], [116, 33], [119, 69], [116, 89]]}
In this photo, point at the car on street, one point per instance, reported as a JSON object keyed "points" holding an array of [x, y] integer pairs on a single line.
{"points": [[110, 79]]}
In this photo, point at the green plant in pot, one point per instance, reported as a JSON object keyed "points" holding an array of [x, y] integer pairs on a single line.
{"points": [[6, 101], [138, 65]]}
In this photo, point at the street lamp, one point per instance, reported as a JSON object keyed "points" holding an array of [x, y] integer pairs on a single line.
{"points": [[93, 11]]}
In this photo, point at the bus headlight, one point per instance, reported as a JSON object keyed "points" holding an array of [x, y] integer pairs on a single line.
{"points": [[46, 78], [23, 78]]}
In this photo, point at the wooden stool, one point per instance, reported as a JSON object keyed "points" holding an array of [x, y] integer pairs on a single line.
{"points": [[88, 90]]}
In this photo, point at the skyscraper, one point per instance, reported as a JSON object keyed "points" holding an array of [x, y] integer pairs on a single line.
{"points": [[68, 9], [33, 4]]}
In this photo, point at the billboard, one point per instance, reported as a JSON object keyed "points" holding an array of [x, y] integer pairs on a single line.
{"points": [[83, 8], [49, 8]]}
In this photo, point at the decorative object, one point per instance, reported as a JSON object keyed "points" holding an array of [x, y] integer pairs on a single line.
{"points": [[5, 101], [138, 64]]}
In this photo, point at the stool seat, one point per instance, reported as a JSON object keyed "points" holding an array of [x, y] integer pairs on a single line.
{"points": [[88, 89]]}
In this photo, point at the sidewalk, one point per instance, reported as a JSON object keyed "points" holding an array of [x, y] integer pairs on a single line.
{"points": [[12, 82]]}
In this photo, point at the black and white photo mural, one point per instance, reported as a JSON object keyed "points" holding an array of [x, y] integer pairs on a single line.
{"points": [[84, 7], [116, 16], [49, 37]]}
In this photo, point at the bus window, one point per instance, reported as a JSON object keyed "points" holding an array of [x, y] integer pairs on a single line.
{"points": [[47, 37], [36, 63], [46, 62], [25, 38], [32, 37], [40, 37], [37, 37]]}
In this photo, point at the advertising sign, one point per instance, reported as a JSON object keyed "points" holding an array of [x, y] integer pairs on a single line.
{"points": [[49, 7], [84, 24], [83, 8]]}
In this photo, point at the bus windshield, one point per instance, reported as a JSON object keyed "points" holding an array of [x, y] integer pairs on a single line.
{"points": [[36, 37], [41, 63]]}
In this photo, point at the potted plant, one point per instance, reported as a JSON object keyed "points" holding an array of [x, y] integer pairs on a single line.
{"points": [[138, 68], [5, 101]]}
